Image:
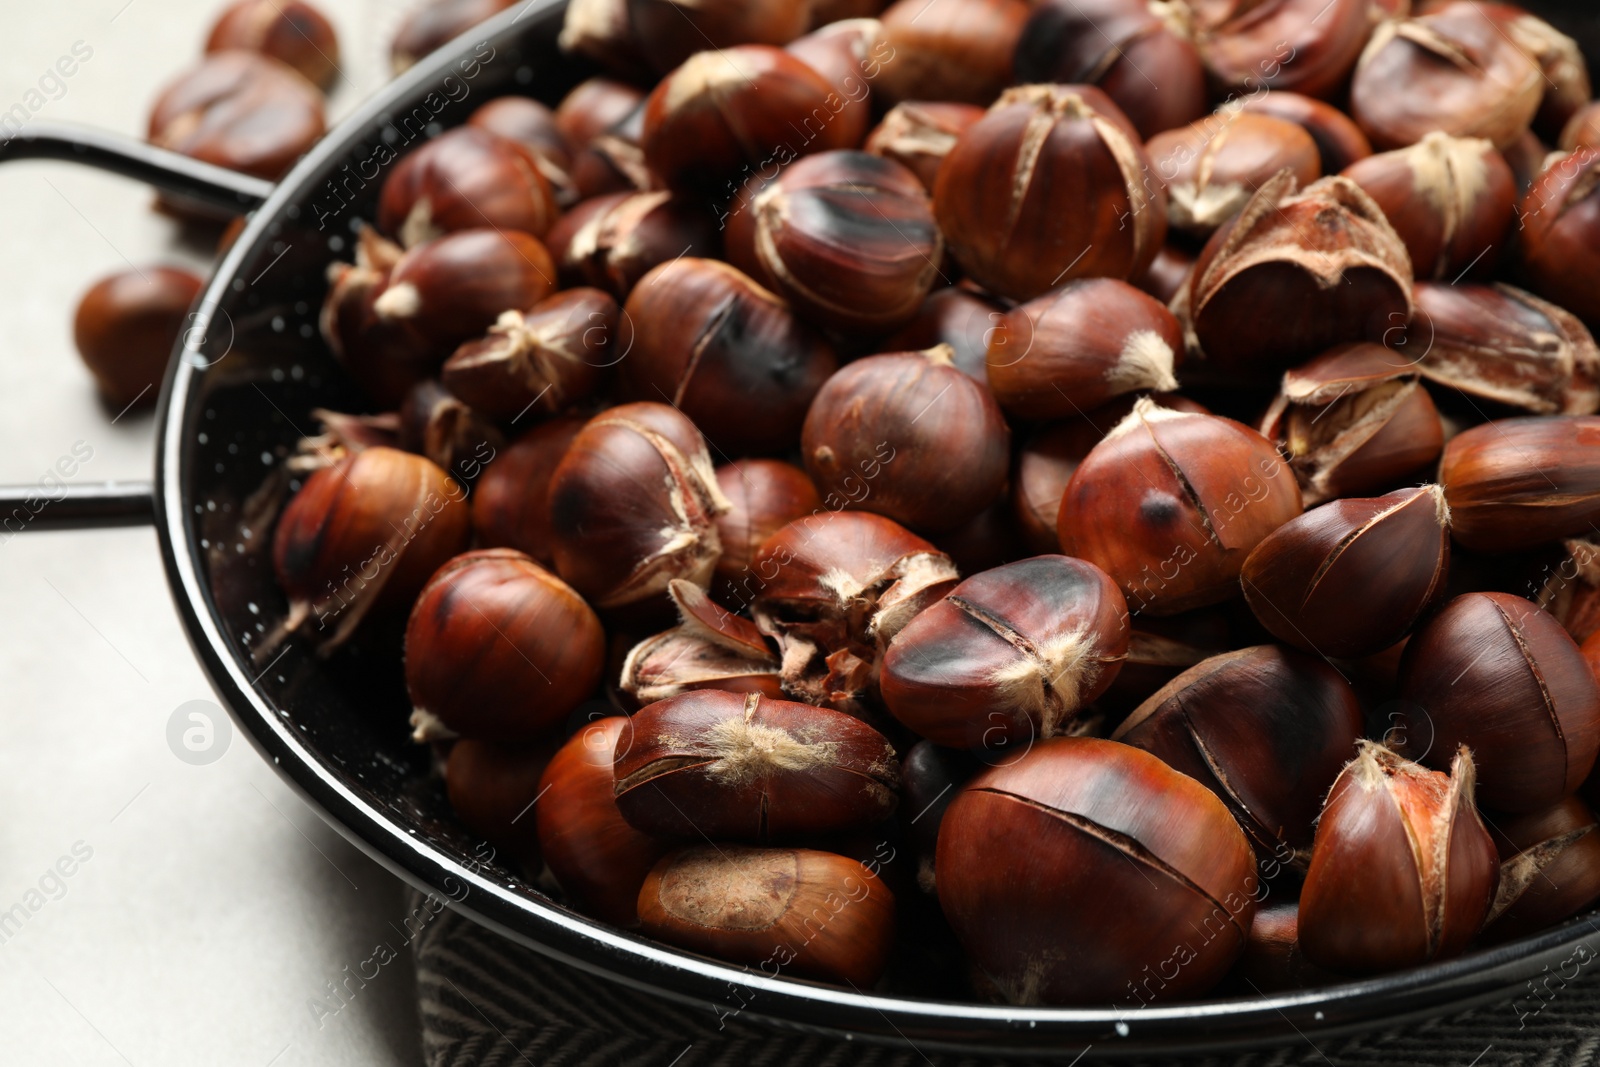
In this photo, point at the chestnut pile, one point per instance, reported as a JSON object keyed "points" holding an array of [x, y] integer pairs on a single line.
{"points": [[1093, 498]]}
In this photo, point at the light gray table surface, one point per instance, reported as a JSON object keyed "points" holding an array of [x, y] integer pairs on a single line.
{"points": [[213, 907]]}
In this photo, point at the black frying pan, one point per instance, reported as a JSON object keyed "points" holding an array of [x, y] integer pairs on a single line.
{"points": [[236, 400]]}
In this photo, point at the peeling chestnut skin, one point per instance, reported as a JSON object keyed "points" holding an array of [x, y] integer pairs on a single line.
{"points": [[1549, 868], [1009, 655], [127, 326], [1560, 220], [633, 504], [491, 788], [957, 50], [594, 854], [239, 110], [436, 423], [1082, 871], [1211, 167], [290, 31], [744, 767], [1079, 346], [936, 473], [499, 649], [1350, 578], [1265, 729], [1170, 503], [467, 178], [1403, 871], [1039, 192], [1495, 673], [1516, 483], [1150, 69], [723, 114], [611, 242], [795, 911], [764, 496], [730, 354], [510, 503], [846, 237]]}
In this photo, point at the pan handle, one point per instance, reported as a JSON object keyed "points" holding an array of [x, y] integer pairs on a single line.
{"points": [[74, 507], [170, 172]]}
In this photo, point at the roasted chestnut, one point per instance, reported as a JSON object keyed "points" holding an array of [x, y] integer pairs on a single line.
{"points": [[383, 356], [548, 358], [1455, 72], [726, 114], [764, 496], [465, 179], [290, 31], [1273, 961], [1495, 673], [1211, 167], [492, 789], [1294, 274], [127, 326], [744, 767], [846, 237], [1010, 194], [1508, 346], [364, 533], [1548, 865], [239, 110], [1170, 503], [1340, 141], [1078, 347], [1009, 655], [434, 422], [499, 649], [1354, 421], [1449, 198], [833, 589], [1352, 577], [867, 438], [610, 242], [728, 353], [1308, 46], [1560, 220], [594, 854], [1517, 483], [633, 505], [433, 24], [510, 502], [784, 911], [1168, 273], [1102, 847], [918, 134], [958, 50], [1403, 871], [1140, 54], [1265, 729], [594, 106], [668, 32], [850, 54], [710, 648]]}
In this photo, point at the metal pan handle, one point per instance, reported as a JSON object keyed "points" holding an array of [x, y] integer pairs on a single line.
{"points": [[107, 504]]}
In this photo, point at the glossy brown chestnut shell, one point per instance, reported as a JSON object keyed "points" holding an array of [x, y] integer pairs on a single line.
{"points": [[289, 31], [1517, 483], [436, 423], [610, 242], [510, 502], [1009, 655], [1548, 868], [958, 50], [1340, 141], [127, 326], [1211, 167], [956, 316], [764, 496], [467, 178], [1560, 217], [492, 790], [668, 32], [1101, 847], [1308, 46]]}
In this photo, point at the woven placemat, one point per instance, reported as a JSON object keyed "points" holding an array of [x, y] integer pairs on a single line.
{"points": [[486, 1002]]}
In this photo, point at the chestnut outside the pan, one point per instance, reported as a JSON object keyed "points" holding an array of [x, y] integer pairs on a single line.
{"points": [[239, 398]]}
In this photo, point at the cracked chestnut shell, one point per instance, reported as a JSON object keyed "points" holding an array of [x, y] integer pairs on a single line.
{"points": [[1352, 577], [710, 648], [1549, 868], [744, 767], [1295, 274], [510, 502], [1009, 655], [289, 31], [436, 423], [1139, 53], [1265, 729], [1518, 483], [1308, 46], [764, 496], [1211, 167], [918, 134], [790, 911], [611, 242], [1498, 675], [958, 50], [633, 505], [594, 854], [1010, 195], [467, 178], [846, 237], [935, 440], [384, 357], [1074, 874], [1080, 346], [500, 649], [727, 352], [1403, 871], [1170, 503], [1449, 198], [491, 787], [548, 358]]}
